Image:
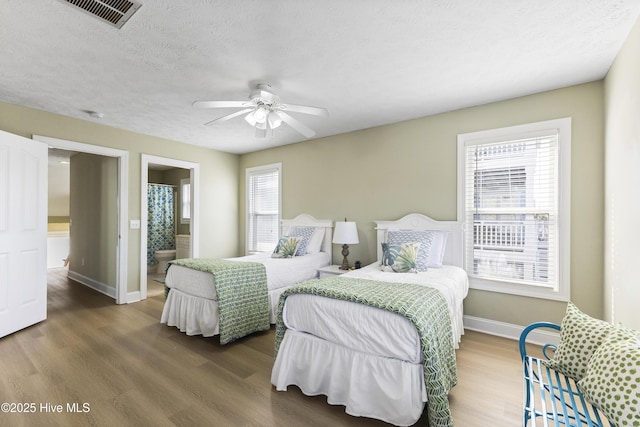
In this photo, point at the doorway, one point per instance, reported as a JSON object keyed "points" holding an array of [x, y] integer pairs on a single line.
{"points": [[121, 240], [155, 162]]}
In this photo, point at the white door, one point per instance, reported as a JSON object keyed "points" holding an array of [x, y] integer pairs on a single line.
{"points": [[23, 232]]}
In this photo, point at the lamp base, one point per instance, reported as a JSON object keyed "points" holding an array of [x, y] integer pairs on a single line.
{"points": [[345, 262]]}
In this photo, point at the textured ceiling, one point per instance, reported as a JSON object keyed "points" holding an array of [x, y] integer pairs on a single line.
{"points": [[369, 62]]}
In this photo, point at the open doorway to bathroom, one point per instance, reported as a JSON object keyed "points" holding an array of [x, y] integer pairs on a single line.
{"points": [[168, 218]]}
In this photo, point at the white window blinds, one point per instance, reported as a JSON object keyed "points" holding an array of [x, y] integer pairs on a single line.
{"points": [[263, 208], [511, 205]]}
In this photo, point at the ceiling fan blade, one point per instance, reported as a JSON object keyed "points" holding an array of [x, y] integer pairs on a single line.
{"points": [[221, 104], [296, 124], [305, 109], [229, 116]]}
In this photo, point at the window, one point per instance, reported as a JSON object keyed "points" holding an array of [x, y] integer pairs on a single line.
{"points": [[513, 197], [185, 201], [263, 207]]}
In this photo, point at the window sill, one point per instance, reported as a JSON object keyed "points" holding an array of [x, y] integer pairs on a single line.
{"points": [[519, 289]]}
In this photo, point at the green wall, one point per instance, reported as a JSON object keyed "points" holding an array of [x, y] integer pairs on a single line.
{"points": [[389, 171], [218, 175], [93, 211], [379, 173]]}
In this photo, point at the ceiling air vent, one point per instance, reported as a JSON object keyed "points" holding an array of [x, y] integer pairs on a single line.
{"points": [[113, 12]]}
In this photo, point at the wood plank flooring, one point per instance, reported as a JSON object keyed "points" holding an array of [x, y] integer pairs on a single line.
{"points": [[116, 365]]}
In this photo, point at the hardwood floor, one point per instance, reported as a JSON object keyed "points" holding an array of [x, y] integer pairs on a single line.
{"points": [[119, 366], [154, 287]]}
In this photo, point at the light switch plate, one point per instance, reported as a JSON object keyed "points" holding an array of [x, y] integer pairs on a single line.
{"points": [[134, 224]]}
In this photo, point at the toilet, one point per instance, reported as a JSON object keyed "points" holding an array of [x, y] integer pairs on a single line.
{"points": [[163, 257]]}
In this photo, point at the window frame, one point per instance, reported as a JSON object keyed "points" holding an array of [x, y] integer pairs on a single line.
{"points": [[561, 291], [185, 219], [257, 170]]}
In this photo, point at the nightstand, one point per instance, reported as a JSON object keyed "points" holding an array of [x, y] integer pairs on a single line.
{"points": [[330, 270]]}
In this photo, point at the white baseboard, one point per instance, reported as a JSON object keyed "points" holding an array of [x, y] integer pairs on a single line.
{"points": [[509, 330], [133, 297], [93, 284]]}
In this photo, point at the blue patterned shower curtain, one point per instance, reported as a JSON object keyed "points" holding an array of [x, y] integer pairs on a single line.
{"points": [[161, 233]]}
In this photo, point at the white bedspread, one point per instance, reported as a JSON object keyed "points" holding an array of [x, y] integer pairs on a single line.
{"points": [[281, 273], [364, 358], [192, 305], [371, 330]]}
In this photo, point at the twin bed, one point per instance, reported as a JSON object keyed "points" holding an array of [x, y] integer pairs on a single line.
{"points": [[192, 303], [381, 343], [375, 362]]}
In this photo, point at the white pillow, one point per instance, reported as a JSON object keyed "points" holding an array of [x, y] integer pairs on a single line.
{"points": [[436, 252], [315, 242]]}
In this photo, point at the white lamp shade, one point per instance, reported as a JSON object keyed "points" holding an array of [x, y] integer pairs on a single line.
{"points": [[345, 233]]}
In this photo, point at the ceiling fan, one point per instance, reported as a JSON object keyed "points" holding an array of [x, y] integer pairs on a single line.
{"points": [[265, 112]]}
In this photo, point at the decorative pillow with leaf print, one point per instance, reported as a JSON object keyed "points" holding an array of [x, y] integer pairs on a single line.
{"points": [[286, 247], [389, 254], [400, 258], [580, 336], [612, 382], [424, 237]]}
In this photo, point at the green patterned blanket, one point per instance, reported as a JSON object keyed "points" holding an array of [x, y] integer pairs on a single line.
{"points": [[423, 306], [241, 288]]}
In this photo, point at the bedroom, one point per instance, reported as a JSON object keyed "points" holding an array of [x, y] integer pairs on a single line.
{"points": [[603, 115]]}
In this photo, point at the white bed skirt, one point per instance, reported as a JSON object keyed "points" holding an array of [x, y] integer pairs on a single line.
{"points": [[192, 315], [199, 316], [377, 387]]}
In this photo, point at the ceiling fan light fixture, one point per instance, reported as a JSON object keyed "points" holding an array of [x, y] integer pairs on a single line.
{"points": [[265, 112], [260, 114], [250, 119], [263, 94], [274, 119]]}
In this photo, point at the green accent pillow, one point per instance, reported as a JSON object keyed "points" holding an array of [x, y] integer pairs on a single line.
{"points": [[286, 247], [612, 382], [580, 336], [389, 254], [400, 258]]}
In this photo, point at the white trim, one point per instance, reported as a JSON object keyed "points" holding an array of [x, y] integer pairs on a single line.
{"points": [[509, 330], [194, 225], [123, 203], [133, 296], [93, 284], [563, 127]]}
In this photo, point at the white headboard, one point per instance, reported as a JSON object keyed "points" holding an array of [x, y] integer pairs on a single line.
{"points": [[453, 254], [305, 220]]}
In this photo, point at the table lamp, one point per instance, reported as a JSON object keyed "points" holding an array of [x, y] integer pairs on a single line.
{"points": [[345, 234]]}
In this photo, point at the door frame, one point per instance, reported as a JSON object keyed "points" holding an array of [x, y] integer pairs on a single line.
{"points": [[123, 202], [194, 222]]}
